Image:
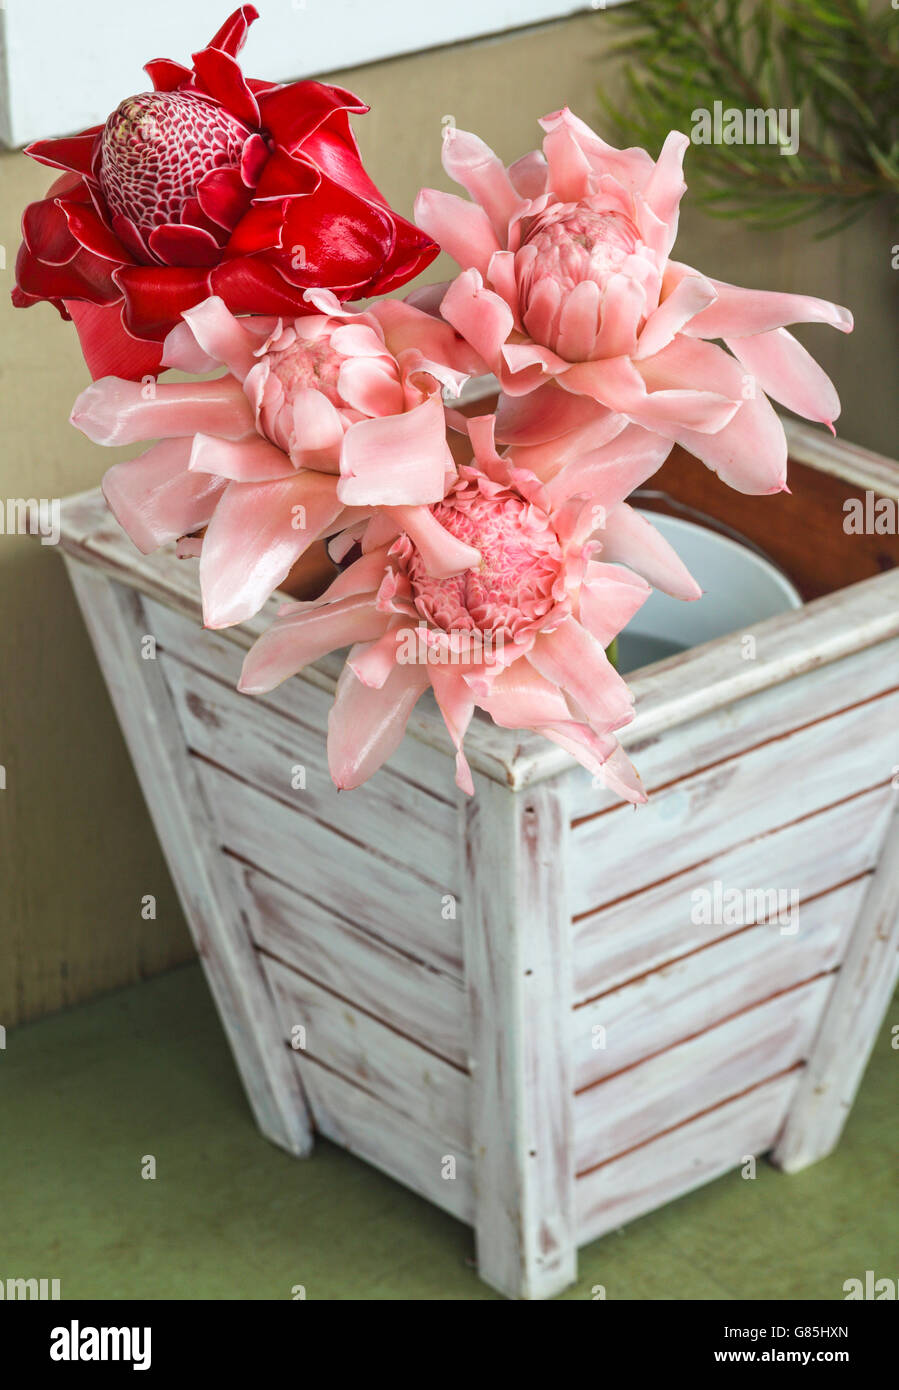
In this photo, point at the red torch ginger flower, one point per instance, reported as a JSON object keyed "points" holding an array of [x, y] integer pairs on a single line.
{"points": [[519, 632], [213, 183], [567, 282], [318, 420]]}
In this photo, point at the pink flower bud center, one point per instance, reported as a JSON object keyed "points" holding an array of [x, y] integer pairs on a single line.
{"points": [[307, 366], [574, 243], [518, 580], [156, 148]]}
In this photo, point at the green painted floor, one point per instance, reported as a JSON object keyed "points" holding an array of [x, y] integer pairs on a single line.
{"points": [[88, 1093]]}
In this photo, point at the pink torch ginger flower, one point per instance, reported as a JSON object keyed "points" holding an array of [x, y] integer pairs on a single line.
{"points": [[519, 632], [567, 282], [318, 420]]}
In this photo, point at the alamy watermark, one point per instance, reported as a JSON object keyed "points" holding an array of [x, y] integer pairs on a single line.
{"points": [[871, 515], [31, 516], [422, 646], [753, 126], [743, 907]]}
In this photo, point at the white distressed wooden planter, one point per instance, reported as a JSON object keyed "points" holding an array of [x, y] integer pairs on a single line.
{"points": [[513, 1006]]}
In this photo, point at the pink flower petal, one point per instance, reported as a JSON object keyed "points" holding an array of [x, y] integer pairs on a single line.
{"points": [[456, 703], [666, 187], [461, 229], [530, 175], [318, 430], [258, 532], [623, 306], [569, 167], [250, 460], [579, 322], [483, 318], [111, 411], [365, 727], [222, 336], [783, 369], [609, 473], [371, 385], [688, 298], [520, 698], [632, 167], [406, 327], [629, 539], [609, 597], [576, 662], [396, 461], [750, 451], [740, 313], [300, 637], [616, 383], [443, 553], [470, 162], [155, 499]]}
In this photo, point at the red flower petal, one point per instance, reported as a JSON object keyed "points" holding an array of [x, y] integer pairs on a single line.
{"points": [[287, 175], [177, 245], [223, 196], [85, 276], [412, 253], [157, 295], [75, 152], [165, 75], [251, 285], [220, 75], [192, 215], [292, 113], [232, 35], [46, 232], [109, 349], [129, 236], [253, 160], [92, 232], [345, 240], [260, 229]]}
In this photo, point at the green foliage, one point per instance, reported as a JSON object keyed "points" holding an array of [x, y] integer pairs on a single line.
{"points": [[836, 61]]}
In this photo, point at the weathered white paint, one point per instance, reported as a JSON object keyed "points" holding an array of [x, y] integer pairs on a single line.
{"points": [[518, 972]]}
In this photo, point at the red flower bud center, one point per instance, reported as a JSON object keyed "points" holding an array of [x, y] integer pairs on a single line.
{"points": [[155, 150], [515, 584]]}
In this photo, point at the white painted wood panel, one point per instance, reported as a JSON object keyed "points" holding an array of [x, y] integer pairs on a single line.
{"points": [[702, 815], [375, 1132], [736, 727], [648, 929], [116, 621], [414, 998], [698, 991], [850, 1023], [300, 701], [290, 762], [433, 1093], [633, 1106], [369, 891], [682, 1160], [518, 974]]}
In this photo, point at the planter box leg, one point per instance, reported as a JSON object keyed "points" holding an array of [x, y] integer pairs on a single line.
{"points": [[860, 998], [117, 623], [518, 977]]}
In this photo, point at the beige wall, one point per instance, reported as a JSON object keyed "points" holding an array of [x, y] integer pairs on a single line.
{"points": [[77, 851]]}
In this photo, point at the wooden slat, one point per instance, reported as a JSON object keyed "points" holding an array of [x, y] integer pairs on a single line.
{"points": [[301, 702], [742, 725], [116, 620], [633, 1106], [698, 991], [367, 890], [684, 1159], [849, 1026], [430, 1091], [375, 1132], [389, 814], [414, 998], [732, 802], [518, 973], [642, 932]]}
